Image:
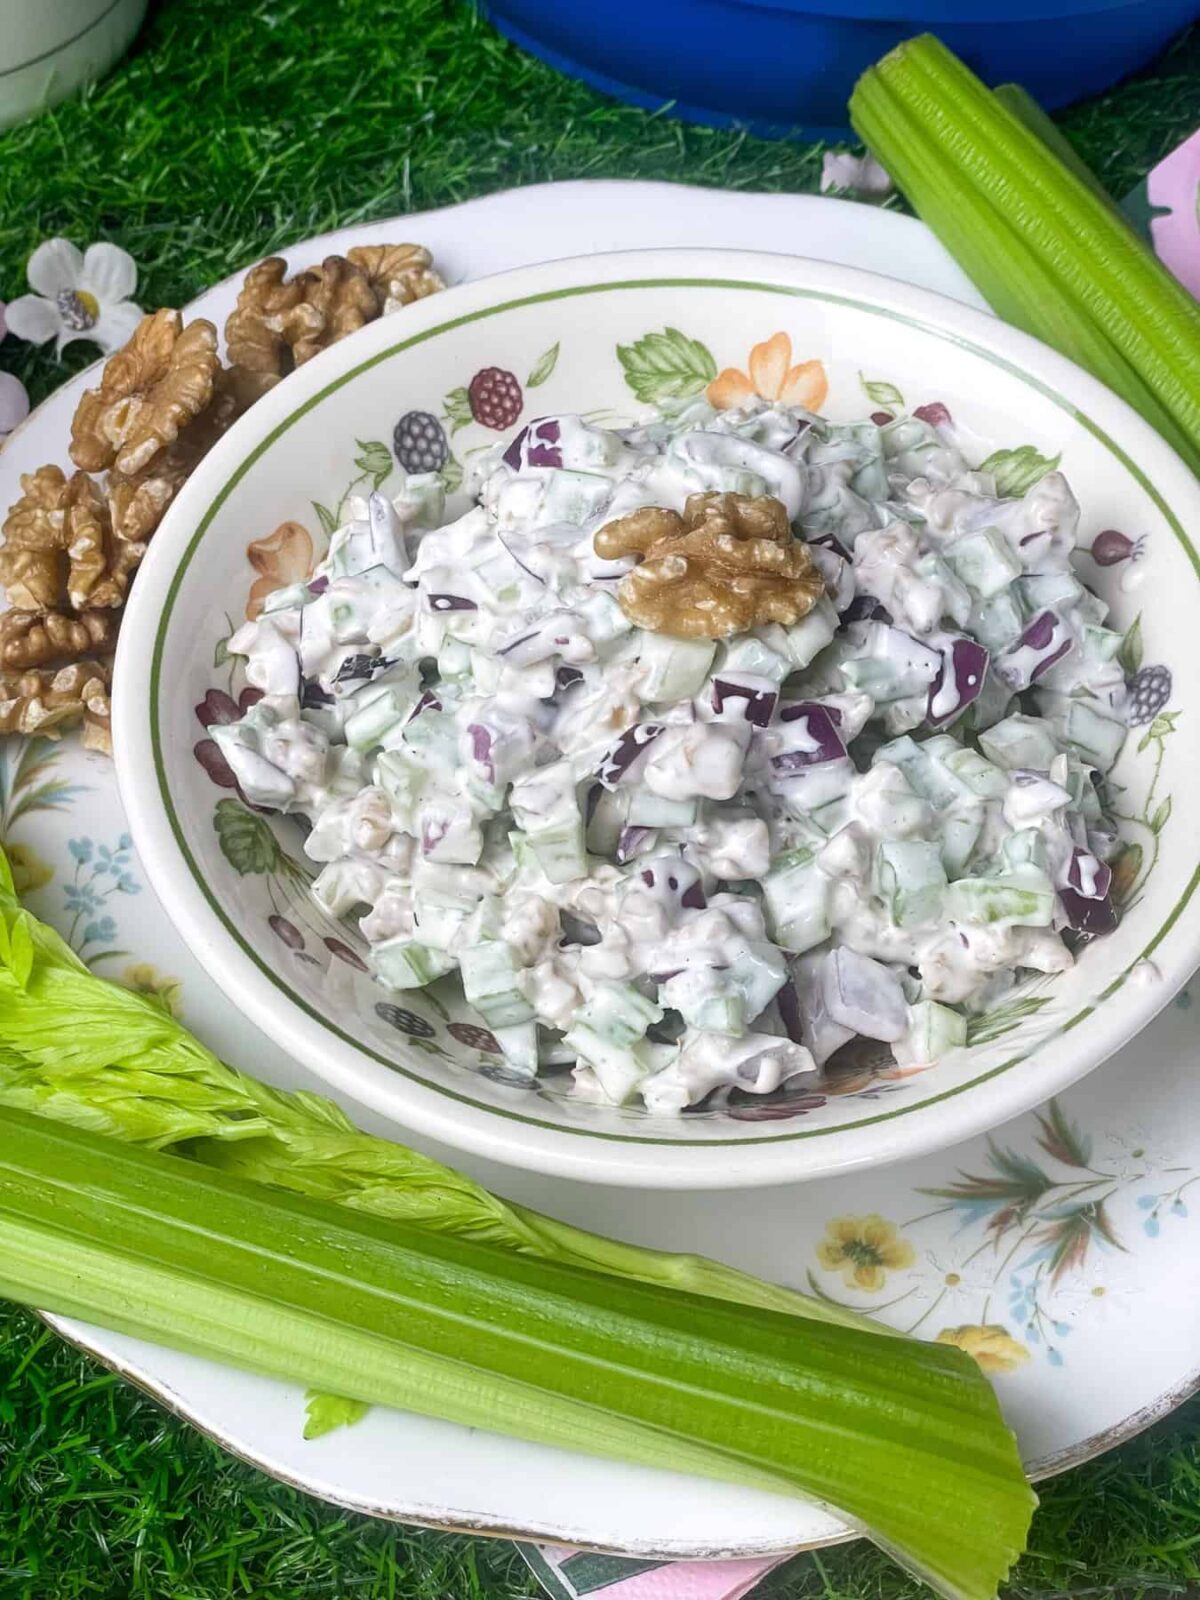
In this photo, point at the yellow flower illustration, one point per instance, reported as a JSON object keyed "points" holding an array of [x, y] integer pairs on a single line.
{"points": [[993, 1347], [147, 979], [282, 557], [28, 869], [864, 1250], [771, 377]]}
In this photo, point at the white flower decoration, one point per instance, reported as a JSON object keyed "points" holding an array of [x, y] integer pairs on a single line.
{"points": [[861, 174], [14, 402], [77, 296]]}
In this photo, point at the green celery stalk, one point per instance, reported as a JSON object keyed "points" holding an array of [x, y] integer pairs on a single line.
{"points": [[84, 1051], [1026, 109], [904, 1439], [1092, 270], [1014, 279]]}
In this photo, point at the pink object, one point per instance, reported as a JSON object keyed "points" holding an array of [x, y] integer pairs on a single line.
{"points": [[573, 1574], [1174, 185]]}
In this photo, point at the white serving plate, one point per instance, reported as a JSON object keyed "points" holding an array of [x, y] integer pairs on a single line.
{"points": [[1095, 1355]]}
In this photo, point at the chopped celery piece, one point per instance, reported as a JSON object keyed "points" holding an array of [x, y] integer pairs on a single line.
{"points": [[1019, 742], [933, 1030], [409, 964], [618, 1067], [797, 896], [674, 669], [1022, 899], [903, 1438], [489, 980], [519, 1046], [912, 880], [618, 1012]]}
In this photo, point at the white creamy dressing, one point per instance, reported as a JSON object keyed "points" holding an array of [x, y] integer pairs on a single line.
{"points": [[696, 866]]}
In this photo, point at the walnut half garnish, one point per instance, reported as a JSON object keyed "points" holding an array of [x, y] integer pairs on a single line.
{"points": [[727, 564]]}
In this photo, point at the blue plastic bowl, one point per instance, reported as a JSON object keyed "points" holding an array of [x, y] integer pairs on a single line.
{"points": [[782, 66]]}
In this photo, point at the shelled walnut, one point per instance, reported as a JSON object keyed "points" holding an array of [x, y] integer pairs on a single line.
{"points": [[138, 501], [149, 392], [398, 273], [54, 638], [727, 564], [45, 701], [280, 323], [33, 560]]}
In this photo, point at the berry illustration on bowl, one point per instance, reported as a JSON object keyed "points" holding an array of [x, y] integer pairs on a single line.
{"points": [[287, 931], [404, 1021], [1149, 691], [420, 442], [1111, 547], [495, 398], [474, 1037]]}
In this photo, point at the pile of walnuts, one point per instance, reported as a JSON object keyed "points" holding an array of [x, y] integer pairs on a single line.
{"points": [[72, 544]]}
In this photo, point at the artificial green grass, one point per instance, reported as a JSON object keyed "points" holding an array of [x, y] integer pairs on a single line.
{"points": [[238, 126]]}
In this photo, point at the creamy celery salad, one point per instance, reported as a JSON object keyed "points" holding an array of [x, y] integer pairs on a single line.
{"points": [[693, 865]]}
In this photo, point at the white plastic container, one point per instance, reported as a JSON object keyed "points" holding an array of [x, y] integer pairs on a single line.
{"points": [[50, 48]]}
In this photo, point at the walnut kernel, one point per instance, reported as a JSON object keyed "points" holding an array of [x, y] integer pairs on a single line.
{"points": [[32, 560], [398, 273], [41, 702], [54, 638], [149, 392], [729, 563]]}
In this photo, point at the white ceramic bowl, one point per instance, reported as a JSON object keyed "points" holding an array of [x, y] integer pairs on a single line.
{"points": [[236, 886]]}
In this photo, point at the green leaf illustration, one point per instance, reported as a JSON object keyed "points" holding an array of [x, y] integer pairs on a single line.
{"points": [[1062, 1139], [542, 367], [451, 475], [247, 842], [881, 394], [375, 460], [458, 409], [1130, 652], [325, 1412], [666, 366], [325, 517], [1018, 1184], [1161, 816], [1071, 1231], [221, 653], [1019, 469]]}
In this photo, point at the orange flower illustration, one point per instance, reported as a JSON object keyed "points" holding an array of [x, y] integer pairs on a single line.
{"points": [[771, 377], [282, 557]]}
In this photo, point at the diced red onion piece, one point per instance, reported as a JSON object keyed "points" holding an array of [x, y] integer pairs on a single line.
{"points": [[759, 703], [428, 702], [630, 840], [626, 751], [1088, 876], [535, 446], [1088, 916], [824, 741]]}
